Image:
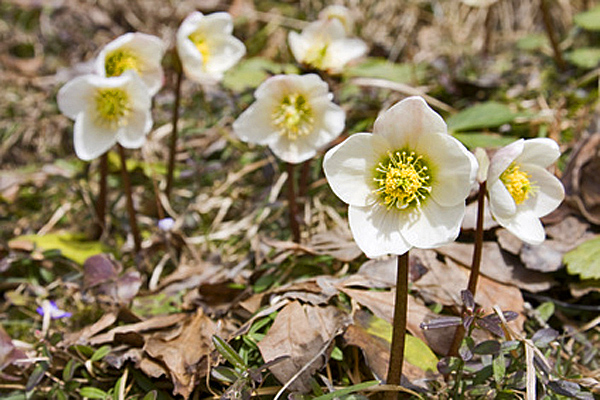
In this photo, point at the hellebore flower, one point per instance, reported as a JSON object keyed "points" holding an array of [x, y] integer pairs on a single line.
{"points": [[206, 46], [51, 308], [106, 111], [521, 190], [323, 45], [134, 51], [406, 183], [340, 13], [294, 115]]}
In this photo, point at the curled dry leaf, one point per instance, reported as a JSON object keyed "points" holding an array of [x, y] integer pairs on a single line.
{"points": [[337, 243], [304, 333]]}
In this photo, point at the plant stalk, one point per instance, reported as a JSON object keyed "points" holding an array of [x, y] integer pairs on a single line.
{"points": [[475, 263], [558, 57], [174, 133], [102, 195], [293, 206], [399, 327], [137, 242]]}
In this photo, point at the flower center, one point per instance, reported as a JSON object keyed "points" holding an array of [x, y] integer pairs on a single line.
{"points": [[403, 180], [293, 116], [112, 107], [120, 61], [315, 56], [199, 41], [517, 182]]}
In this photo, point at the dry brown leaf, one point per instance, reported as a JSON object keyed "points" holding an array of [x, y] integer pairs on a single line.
{"points": [[304, 334], [185, 355], [499, 266], [83, 336], [337, 243], [155, 323]]}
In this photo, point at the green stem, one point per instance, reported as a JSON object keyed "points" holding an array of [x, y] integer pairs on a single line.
{"points": [[175, 120], [475, 264], [399, 327], [293, 206], [137, 242]]}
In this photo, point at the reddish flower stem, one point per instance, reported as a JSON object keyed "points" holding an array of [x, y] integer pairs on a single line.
{"points": [[102, 194], [174, 133], [293, 206], [558, 57], [137, 242], [399, 327]]}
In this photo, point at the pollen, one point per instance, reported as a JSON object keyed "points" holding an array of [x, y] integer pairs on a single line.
{"points": [[293, 117], [199, 40], [112, 107], [120, 61], [403, 180], [518, 183]]}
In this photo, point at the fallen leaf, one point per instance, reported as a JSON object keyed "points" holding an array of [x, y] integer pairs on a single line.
{"points": [[185, 355], [303, 333], [337, 243], [83, 336], [155, 323]]}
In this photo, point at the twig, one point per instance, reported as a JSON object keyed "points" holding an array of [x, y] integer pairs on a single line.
{"points": [[560, 62], [399, 327]]}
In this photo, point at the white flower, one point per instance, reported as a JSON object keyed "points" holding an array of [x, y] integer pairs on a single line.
{"points": [[134, 51], [406, 183], [293, 115], [206, 46], [106, 111], [323, 45], [340, 13], [521, 190]]}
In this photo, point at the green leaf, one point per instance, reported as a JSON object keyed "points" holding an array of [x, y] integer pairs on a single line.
{"points": [[585, 259], [416, 352], [348, 390], [152, 395], [36, 376], [589, 20], [499, 367], [484, 140], [250, 73], [534, 41], [584, 57], [93, 393], [384, 69], [69, 370], [546, 310], [484, 115], [71, 245], [100, 353], [229, 353]]}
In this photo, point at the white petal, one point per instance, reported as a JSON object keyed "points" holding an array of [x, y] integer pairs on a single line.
{"points": [[341, 52], [189, 25], [298, 46], [404, 122], [524, 225], [550, 192], [330, 120], [133, 135], [75, 96], [435, 225], [539, 151], [91, 140], [502, 159], [502, 204], [293, 151], [349, 168], [224, 53], [453, 167], [218, 23], [254, 125], [377, 230], [139, 94]]}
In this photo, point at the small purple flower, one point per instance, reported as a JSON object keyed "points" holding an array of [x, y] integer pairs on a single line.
{"points": [[52, 308], [166, 224]]}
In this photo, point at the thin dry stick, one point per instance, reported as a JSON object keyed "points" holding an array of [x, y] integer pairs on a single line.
{"points": [[293, 206], [399, 327], [101, 201], [129, 196], [173, 142], [552, 36], [475, 264]]}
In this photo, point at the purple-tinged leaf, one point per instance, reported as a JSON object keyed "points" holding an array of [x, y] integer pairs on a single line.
{"points": [[543, 337], [442, 322], [99, 269], [487, 347], [468, 300]]}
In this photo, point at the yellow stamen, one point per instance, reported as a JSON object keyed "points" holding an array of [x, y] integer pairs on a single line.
{"points": [[315, 56], [112, 107], [403, 180], [517, 182], [120, 61], [293, 117], [199, 40]]}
